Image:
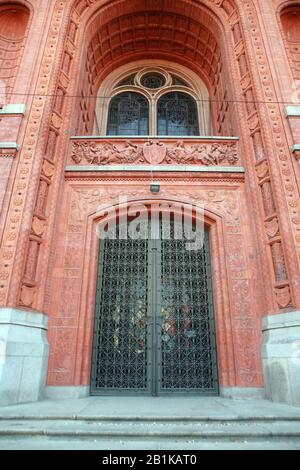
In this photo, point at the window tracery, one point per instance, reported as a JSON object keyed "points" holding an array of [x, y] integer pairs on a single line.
{"points": [[153, 102]]}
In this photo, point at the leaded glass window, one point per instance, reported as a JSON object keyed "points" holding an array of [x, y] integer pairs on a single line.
{"points": [[177, 115], [153, 81], [178, 81], [127, 81], [128, 115], [154, 102]]}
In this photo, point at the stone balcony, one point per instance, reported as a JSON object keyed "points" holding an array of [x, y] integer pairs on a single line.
{"points": [[165, 154]]}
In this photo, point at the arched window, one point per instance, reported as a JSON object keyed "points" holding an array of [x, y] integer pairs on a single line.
{"points": [[153, 101], [177, 115], [128, 115]]}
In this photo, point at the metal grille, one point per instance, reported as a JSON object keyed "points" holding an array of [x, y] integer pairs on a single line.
{"points": [[154, 325], [120, 340], [188, 350]]}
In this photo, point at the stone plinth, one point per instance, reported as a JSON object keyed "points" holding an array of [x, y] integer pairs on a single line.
{"points": [[281, 357], [23, 355]]}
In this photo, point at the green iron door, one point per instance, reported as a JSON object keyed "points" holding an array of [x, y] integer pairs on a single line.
{"points": [[154, 322]]}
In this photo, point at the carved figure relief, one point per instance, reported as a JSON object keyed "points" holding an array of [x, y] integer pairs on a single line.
{"points": [[154, 152]]}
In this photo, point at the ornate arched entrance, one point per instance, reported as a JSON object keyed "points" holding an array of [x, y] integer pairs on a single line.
{"points": [[103, 49], [154, 327]]}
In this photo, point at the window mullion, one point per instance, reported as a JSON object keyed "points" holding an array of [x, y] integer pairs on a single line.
{"points": [[152, 118]]}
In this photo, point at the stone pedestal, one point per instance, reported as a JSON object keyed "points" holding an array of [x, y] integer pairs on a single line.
{"points": [[23, 355], [281, 357]]}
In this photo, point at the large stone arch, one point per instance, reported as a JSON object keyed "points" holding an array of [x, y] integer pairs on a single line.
{"points": [[278, 252], [39, 222], [271, 186], [83, 205], [55, 149]]}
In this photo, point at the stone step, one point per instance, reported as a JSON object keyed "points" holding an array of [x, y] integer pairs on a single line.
{"points": [[149, 419], [139, 430], [161, 444]]}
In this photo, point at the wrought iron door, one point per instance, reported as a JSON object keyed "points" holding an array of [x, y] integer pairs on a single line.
{"points": [[154, 326]]}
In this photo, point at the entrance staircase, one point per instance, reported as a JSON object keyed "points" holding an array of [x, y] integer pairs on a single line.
{"points": [[150, 424]]}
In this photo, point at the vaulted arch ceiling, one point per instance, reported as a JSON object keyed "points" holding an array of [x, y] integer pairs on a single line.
{"points": [[191, 36], [229, 6], [153, 34], [118, 32]]}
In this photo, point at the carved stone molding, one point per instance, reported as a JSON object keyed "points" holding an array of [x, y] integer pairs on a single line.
{"points": [[14, 235], [8, 152], [87, 200], [155, 152]]}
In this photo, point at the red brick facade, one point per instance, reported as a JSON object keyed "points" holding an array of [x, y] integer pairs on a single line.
{"points": [[248, 54]]}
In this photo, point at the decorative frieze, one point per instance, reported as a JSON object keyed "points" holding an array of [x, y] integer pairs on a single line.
{"points": [[155, 152]]}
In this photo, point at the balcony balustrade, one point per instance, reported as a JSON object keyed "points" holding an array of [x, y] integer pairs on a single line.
{"points": [[157, 151]]}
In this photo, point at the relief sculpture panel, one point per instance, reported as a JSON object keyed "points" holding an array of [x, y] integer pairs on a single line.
{"points": [[154, 152]]}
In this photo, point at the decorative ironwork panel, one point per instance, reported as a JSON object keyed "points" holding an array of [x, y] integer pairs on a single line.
{"points": [[188, 356], [120, 339], [128, 115], [154, 325], [177, 115]]}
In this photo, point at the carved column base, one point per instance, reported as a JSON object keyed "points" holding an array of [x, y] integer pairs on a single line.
{"points": [[23, 355], [281, 357]]}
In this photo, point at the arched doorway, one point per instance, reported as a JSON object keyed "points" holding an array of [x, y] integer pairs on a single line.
{"points": [[154, 329]]}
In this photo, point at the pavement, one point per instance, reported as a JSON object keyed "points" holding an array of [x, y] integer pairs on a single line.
{"points": [[143, 407], [150, 423]]}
